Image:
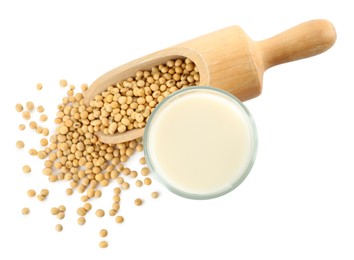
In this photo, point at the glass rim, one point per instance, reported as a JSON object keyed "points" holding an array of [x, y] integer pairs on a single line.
{"points": [[252, 130]]}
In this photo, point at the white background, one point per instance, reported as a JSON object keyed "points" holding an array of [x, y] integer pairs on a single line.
{"points": [[297, 202]]}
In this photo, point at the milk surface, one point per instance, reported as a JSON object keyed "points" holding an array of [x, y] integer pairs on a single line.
{"points": [[200, 143]]}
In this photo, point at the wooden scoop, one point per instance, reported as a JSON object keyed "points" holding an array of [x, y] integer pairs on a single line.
{"points": [[226, 59]]}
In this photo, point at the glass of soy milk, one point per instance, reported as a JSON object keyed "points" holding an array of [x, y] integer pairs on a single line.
{"points": [[200, 142]]}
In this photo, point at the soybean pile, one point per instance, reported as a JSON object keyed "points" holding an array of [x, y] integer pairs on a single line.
{"points": [[72, 152]]}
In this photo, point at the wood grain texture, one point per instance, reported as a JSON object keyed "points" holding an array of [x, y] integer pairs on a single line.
{"points": [[302, 41], [227, 59]]}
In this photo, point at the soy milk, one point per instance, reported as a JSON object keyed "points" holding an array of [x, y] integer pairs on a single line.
{"points": [[200, 142]]}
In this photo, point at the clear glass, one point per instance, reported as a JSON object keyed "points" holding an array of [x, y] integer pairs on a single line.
{"points": [[164, 103]]}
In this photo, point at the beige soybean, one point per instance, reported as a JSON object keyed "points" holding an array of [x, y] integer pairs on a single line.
{"points": [[30, 105], [43, 118], [139, 148], [40, 109], [54, 211], [154, 194], [119, 219], [116, 198], [103, 233], [103, 244], [116, 206], [125, 185], [19, 108], [42, 154], [81, 221], [98, 193], [84, 198], [100, 213], [145, 171], [41, 197], [32, 152], [26, 115], [26, 169], [117, 190], [84, 87], [39, 129], [31, 193], [81, 211], [63, 83], [33, 125], [133, 174], [44, 192], [25, 211], [142, 160], [44, 142], [45, 131], [138, 202], [87, 206], [60, 215], [20, 144], [112, 212], [69, 191], [58, 227], [147, 181]]}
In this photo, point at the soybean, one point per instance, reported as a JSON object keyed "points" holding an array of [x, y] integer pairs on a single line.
{"points": [[103, 244], [20, 144], [119, 219], [100, 213], [103, 233], [30, 106], [81, 221], [26, 169], [59, 227], [154, 195], [31, 193], [25, 211], [138, 202], [63, 83], [19, 108]]}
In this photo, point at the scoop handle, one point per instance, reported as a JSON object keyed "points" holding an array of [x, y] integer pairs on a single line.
{"points": [[302, 41]]}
